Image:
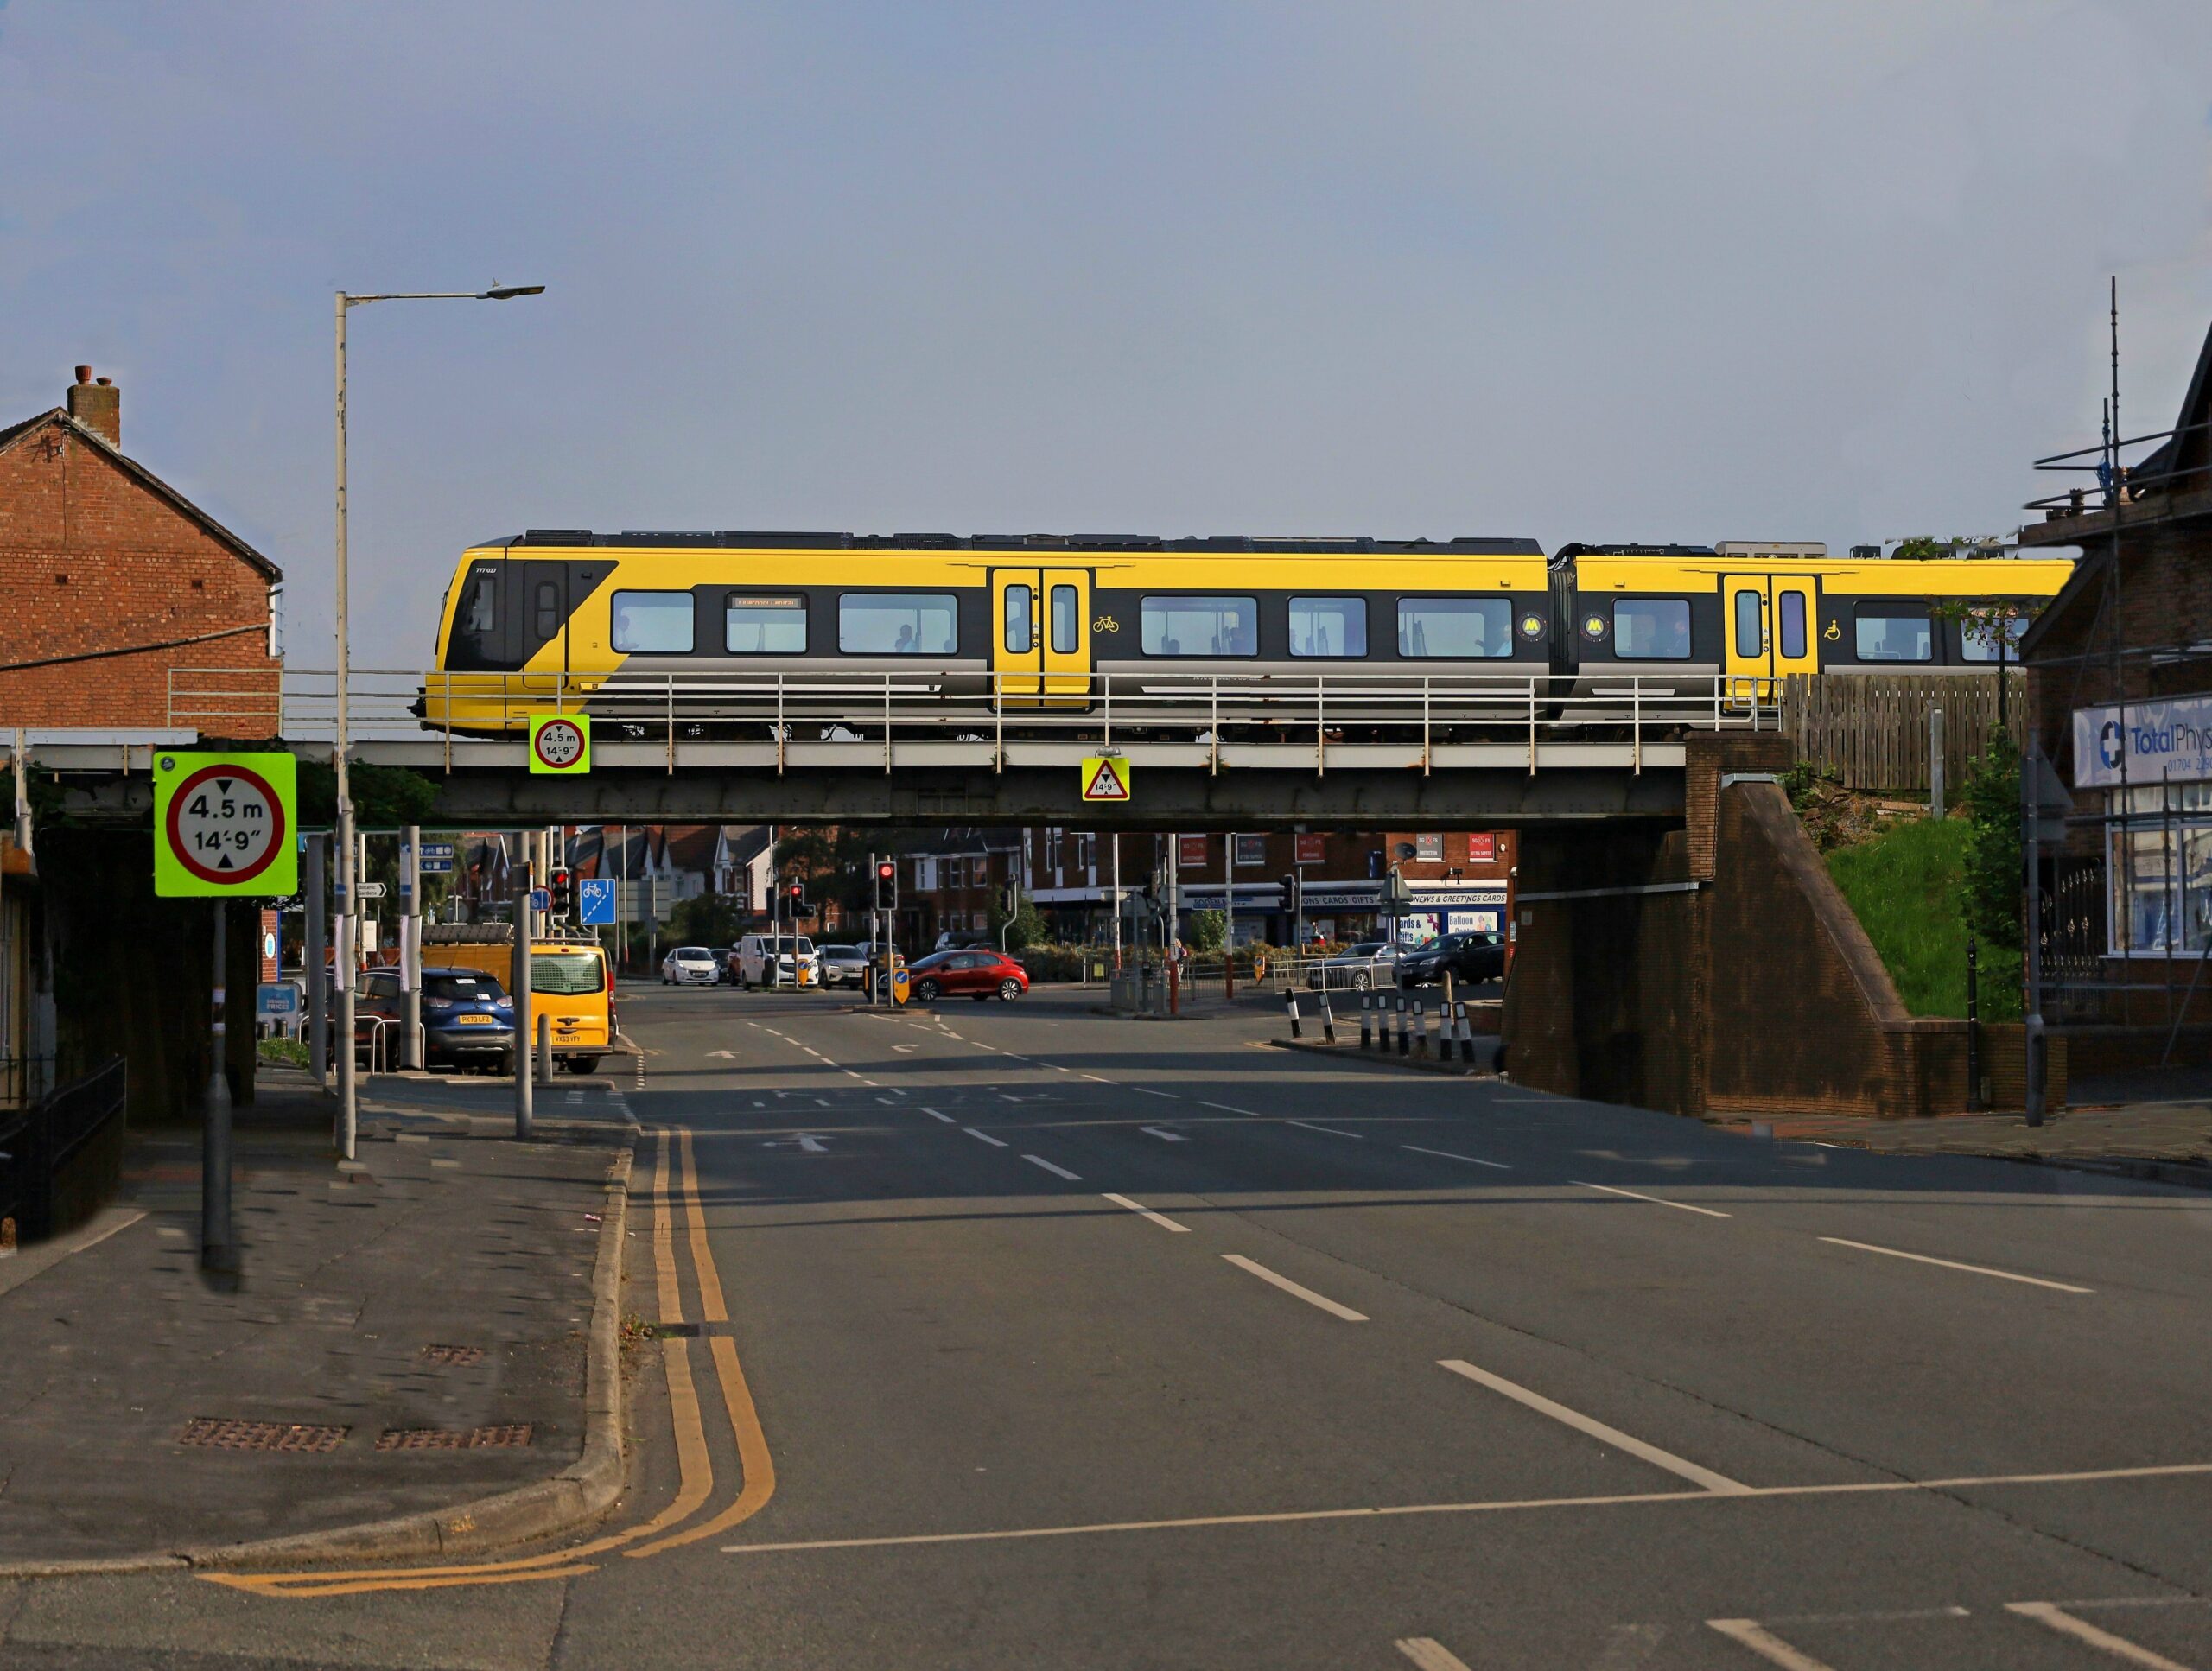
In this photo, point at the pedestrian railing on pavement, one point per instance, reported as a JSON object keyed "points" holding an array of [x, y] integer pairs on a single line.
{"points": [[48, 1179]]}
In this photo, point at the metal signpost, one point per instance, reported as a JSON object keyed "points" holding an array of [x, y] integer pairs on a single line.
{"points": [[519, 979], [223, 830]]}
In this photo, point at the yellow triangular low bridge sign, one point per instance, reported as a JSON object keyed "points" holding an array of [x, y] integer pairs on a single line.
{"points": [[1105, 778]]}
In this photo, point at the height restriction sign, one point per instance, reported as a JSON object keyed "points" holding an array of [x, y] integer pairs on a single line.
{"points": [[559, 744], [1105, 778], [223, 825]]}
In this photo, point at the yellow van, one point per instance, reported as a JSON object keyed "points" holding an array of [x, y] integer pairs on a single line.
{"points": [[568, 980]]}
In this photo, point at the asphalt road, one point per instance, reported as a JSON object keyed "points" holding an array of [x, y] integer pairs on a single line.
{"points": [[1026, 1337]]}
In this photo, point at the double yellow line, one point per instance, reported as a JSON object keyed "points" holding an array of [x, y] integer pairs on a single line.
{"points": [[694, 1462]]}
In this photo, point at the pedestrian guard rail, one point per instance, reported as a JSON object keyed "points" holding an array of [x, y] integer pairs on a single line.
{"points": [[51, 1176]]}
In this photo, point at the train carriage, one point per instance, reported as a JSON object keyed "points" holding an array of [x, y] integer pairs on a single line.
{"points": [[651, 629]]}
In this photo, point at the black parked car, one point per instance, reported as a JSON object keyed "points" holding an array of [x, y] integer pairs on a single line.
{"points": [[1477, 955]]}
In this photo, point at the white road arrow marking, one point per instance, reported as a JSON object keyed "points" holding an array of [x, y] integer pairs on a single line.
{"points": [[806, 1141], [726, 1055]]}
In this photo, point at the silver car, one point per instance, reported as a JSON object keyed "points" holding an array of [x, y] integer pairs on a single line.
{"points": [[843, 966], [1370, 963], [688, 966]]}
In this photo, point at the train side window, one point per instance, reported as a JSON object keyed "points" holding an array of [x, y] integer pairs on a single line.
{"points": [[898, 624], [1747, 623], [764, 626], [1020, 639], [1790, 605], [1893, 632], [479, 615], [1457, 628], [545, 609], [1199, 626], [652, 623], [1067, 628], [1328, 626], [1651, 629], [1981, 633]]}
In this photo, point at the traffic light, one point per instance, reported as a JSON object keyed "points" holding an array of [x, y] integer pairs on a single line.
{"points": [[561, 886], [1010, 897], [1290, 890], [795, 900], [886, 885]]}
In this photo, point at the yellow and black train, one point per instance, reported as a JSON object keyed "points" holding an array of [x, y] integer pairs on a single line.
{"points": [[1039, 619]]}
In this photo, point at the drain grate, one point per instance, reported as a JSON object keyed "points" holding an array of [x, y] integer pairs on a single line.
{"points": [[454, 1355], [219, 1433], [440, 1438]]}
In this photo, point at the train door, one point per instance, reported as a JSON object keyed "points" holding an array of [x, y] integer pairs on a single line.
{"points": [[1748, 666], [1040, 637], [1792, 600], [537, 629]]}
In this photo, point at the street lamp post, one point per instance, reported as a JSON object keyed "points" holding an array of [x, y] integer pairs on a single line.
{"points": [[348, 876]]}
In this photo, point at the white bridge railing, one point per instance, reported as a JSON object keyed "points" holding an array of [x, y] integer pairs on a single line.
{"points": [[1319, 711]]}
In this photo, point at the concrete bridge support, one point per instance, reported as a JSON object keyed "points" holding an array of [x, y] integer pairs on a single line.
{"points": [[1713, 968]]}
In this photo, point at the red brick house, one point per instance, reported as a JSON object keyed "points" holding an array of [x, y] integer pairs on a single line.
{"points": [[114, 586]]}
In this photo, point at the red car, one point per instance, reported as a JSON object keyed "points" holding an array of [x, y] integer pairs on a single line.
{"points": [[975, 973]]}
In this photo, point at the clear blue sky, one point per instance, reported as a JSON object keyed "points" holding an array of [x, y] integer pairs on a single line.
{"points": [[1593, 268]]}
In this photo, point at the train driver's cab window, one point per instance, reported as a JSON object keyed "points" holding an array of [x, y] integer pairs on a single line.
{"points": [[755, 625], [1200, 626], [1893, 632], [656, 623], [1457, 628], [1651, 629], [898, 624], [480, 607], [1328, 626], [1985, 631]]}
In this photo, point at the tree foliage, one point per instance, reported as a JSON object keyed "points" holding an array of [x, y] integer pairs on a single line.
{"points": [[712, 920], [1208, 930]]}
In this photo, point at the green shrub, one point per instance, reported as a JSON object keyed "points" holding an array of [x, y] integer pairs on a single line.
{"points": [[1208, 930], [289, 1052], [1992, 885]]}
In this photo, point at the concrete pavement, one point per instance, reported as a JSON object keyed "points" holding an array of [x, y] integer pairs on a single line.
{"points": [[1013, 1335]]}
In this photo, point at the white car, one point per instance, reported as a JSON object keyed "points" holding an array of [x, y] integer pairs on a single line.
{"points": [[776, 960], [688, 966]]}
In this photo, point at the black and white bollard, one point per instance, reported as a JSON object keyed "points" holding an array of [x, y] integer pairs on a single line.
{"points": [[1290, 1002], [1366, 1020], [1420, 1028], [1405, 1034], [1466, 1037], [1328, 1019]]}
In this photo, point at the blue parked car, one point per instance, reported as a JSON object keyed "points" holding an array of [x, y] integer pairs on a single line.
{"points": [[468, 1018]]}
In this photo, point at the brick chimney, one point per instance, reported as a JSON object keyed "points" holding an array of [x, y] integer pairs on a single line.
{"points": [[98, 405]]}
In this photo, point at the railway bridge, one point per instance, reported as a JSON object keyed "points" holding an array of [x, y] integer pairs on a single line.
{"points": [[1679, 942]]}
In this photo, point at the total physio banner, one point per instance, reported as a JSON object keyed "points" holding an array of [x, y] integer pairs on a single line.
{"points": [[2153, 741]]}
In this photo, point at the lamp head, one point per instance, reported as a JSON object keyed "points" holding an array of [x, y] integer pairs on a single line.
{"points": [[508, 292]]}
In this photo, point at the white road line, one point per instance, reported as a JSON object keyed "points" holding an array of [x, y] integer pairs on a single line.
{"points": [[1163, 1136], [1355, 1137], [1768, 1646], [1954, 1265], [1430, 1655], [947, 1118], [1095, 1080], [1143, 1211], [2051, 1616], [1224, 1108], [1635, 1195], [885, 1101], [1290, 1287], [1472, 1159], [984, 1136], [1171, 1097], [1500, 1506], [1719, 1484], [1056, 1172]]}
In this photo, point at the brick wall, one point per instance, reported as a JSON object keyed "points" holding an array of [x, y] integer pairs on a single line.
{"points": [[92, 559]]}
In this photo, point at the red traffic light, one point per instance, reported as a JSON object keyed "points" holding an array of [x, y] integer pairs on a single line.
{"points": [[886, 871], [799, 890]]}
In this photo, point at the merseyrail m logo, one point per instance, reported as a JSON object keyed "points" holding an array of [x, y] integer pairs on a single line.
{"points": [[1105, 778]]}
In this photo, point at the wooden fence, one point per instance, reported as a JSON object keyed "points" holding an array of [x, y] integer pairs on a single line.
{"points": [[1871, 730]]}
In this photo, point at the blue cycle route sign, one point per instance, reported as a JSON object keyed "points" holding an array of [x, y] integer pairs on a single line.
{"points": [[595, 902]]}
